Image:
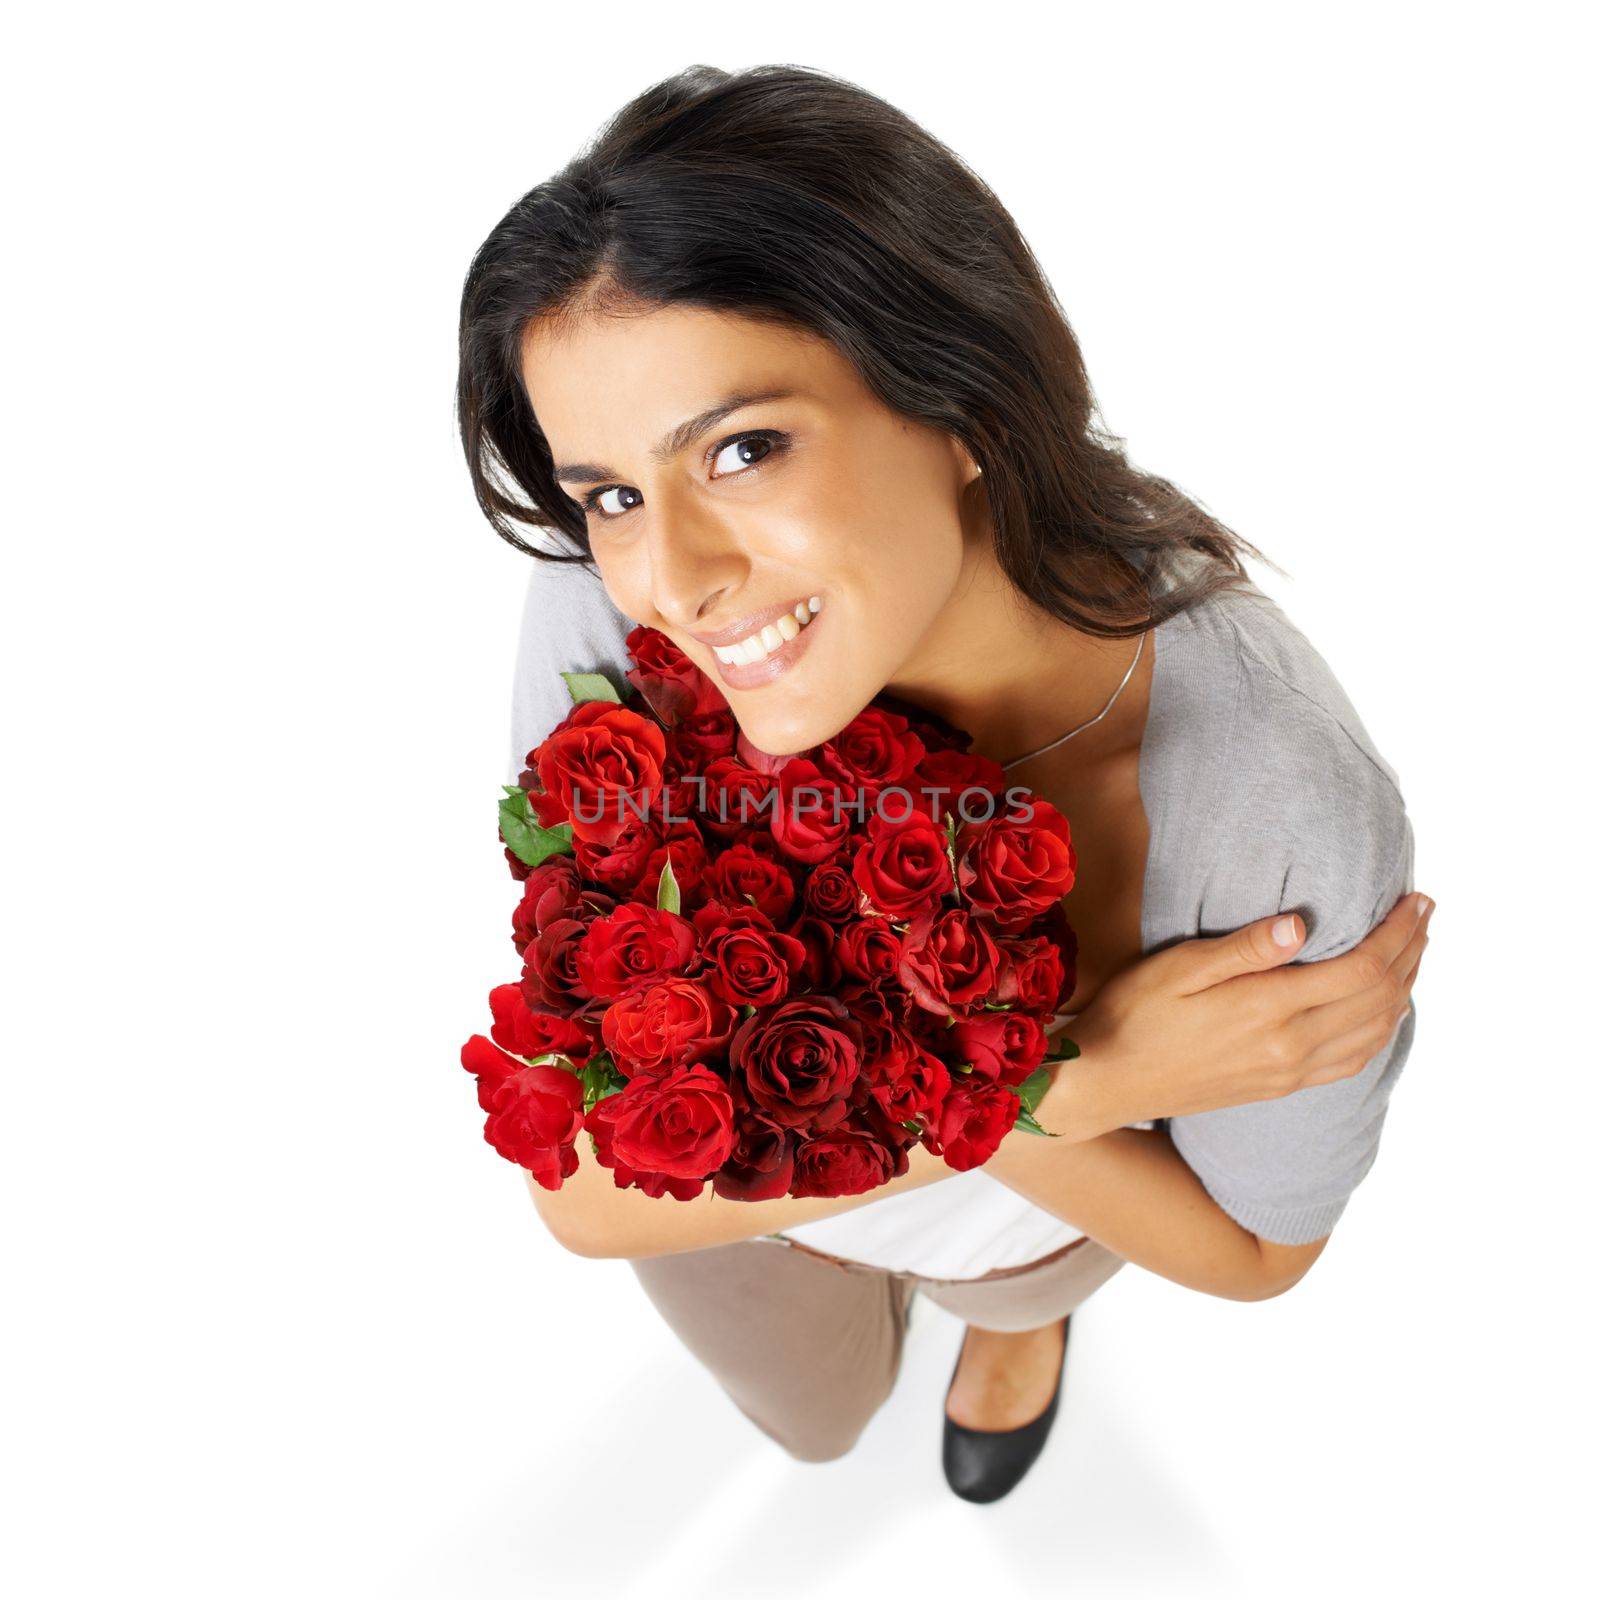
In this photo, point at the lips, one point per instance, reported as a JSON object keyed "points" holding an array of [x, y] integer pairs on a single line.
{"points": [[775, 663], [753, 623]]}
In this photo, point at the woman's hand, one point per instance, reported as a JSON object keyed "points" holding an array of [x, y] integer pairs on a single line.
{"points": [[1223, 1022]]}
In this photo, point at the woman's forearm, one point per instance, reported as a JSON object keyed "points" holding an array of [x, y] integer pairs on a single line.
{"points": [[1131, 1190], [1127, 1188], [591, 1216]]}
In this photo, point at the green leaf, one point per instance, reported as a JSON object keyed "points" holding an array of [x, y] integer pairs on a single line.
{"points": [[1030, 1092], [600, 1079], [526, 838], [667, 896], [950, 825], [1032, 1088], [583, 686], [1068, 1052], [1029, 1124]]}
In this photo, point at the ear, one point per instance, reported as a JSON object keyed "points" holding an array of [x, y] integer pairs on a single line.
{"points": [[967, 468]]}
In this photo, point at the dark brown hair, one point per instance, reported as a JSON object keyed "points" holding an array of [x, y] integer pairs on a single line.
{"points": [[786, 194]]}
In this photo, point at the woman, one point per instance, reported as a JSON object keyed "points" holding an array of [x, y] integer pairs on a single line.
{"points": [[773, 373]]}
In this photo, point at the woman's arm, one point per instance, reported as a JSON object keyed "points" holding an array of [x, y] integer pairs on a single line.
{"points": [[1204, 1022], [1128, 1189], [1132, 1191], [590, 1216], [1139, 1198]]}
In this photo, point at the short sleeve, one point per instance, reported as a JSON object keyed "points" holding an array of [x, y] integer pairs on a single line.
{"points": [[1330, 839], [569, 624]]}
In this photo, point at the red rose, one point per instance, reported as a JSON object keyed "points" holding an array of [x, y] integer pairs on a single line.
{"points": [[846, 1161], [958, 773], [696, 742], [929, 726], [762, 1164], [535, 1113], [1003, 1046], [672, 1023], [874, 751], [734, 797], [550, 891], [526, 1032], [550, 978], [948, 962], [815, 811], [902, 866], [869, 951], [799, 1061], [679, 1124], [601, 763], [1012, 868], [600, 1124], [631, 947], [618, 865], [973, 1120], [690, 864], [749, 965], [1038, 974], [909, 1083], [741, 872], [831, 892], [878, 1012], [489, 1064], [672, 685], [822, 970]]}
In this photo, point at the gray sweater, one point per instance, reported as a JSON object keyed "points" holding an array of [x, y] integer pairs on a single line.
{"points": [[1264, 793]]}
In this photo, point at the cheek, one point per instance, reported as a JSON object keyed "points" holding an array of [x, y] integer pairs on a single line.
{"points": [[873, 534], [626, 588]]}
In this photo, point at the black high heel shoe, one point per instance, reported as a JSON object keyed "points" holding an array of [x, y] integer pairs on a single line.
{"points": [[983, 1464]]}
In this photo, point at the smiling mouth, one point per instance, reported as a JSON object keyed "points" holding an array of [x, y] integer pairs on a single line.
{"points": [[773, 637], [772, 650]]}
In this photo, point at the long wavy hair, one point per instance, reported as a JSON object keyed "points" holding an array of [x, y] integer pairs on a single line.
{"points": [[788, 195]]}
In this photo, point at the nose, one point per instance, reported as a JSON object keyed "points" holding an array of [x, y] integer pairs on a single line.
{"points": [[695, 562]]}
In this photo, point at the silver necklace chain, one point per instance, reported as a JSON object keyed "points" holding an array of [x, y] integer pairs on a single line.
{"points": [[1006, 766]]}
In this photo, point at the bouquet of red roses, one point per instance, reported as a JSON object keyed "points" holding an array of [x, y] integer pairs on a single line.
{"points": [[772, 975]]}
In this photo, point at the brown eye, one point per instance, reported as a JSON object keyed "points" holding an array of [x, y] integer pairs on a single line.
{"points": [[760, 443], [593, 501]]}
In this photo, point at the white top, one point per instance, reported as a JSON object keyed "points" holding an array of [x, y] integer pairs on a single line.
{"points": [[957, 1227]]}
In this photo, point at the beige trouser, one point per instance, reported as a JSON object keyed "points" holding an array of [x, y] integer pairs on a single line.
{"points": [[808, 1345]]}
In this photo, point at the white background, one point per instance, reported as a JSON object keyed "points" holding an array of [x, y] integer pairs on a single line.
{"points": [[280, 1321]]}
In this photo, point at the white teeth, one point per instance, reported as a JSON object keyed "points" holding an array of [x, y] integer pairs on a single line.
{"points": [[772, 637]]}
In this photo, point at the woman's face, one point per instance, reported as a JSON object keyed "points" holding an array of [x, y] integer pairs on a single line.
{"points": [[709, 531]]}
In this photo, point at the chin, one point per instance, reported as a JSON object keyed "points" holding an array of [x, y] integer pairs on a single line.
{"points": [[790, 736]]}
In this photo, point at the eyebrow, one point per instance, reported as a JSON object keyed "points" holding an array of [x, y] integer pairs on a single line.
{"points": [[680, 438]]}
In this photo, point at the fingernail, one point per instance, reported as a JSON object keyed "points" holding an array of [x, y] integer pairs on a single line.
{"points": [[1424, 905], [1283, 931]]}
